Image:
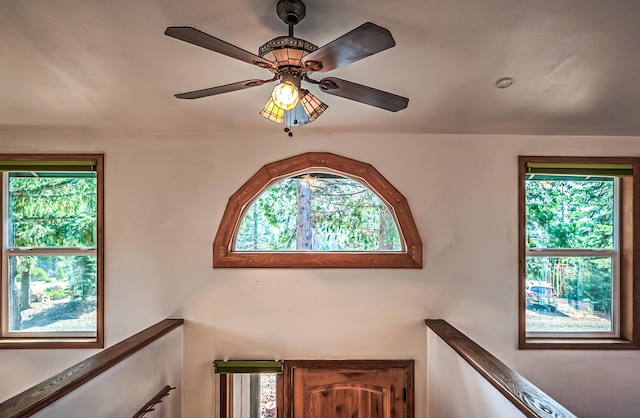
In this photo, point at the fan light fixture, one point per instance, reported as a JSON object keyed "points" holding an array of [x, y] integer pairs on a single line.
{"points": [[311, 105], [272, 112], [307, 109], [285, 95], [291, 105], [292, 60]]}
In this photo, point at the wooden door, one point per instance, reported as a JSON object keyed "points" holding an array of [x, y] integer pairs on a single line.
{"points": [[349, 389]]}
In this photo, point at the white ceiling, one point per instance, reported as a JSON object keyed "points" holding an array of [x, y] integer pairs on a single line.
{"points": [[106, 66]]}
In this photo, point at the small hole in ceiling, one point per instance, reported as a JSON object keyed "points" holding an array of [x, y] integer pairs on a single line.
{"points": [[504, 82]]}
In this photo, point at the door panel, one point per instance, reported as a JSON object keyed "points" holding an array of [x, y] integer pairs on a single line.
{"points": [[349, 389], [349, 401]]}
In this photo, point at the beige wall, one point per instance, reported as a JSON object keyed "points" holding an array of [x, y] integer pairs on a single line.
{"points": [[123, 389], [456, 390], [164, 199]]}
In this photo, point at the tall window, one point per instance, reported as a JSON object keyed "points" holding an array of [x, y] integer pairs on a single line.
{"points": [[51, 257], [577, 252], [317, 210]]}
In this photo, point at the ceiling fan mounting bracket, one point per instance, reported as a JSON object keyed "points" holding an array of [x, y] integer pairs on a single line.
{"points": [[290, 76], [291, 11]]}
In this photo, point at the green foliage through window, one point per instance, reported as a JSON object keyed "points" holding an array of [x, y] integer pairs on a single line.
{"points": [[318, 212], [49, 213], [574, 213], [570, 219], [52, 211]]}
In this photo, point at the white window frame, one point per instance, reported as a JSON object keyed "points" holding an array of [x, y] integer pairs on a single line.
{"points": [[613, 254]]}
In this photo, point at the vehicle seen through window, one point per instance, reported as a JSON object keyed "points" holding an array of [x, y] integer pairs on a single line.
{"points": [[577, 222], [571, 252]]}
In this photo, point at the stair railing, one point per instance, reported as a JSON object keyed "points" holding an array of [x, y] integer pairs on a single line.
{"points": [[524, 395], [47, 392]]}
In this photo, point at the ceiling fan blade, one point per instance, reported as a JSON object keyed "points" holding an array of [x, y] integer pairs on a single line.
{"points": [[199, 38], [240, 85], [365, 40], [363, 94]]}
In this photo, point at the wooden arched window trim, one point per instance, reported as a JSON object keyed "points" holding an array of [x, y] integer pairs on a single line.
{"points": [[224, 257]]}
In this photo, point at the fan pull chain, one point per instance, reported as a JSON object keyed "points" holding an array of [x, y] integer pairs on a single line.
{"points": [[287, 129]]}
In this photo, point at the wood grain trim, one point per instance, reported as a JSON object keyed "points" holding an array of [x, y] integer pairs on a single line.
{"points": [[67, 342], [530, 400], [630, 287], [47, 392], [290, 365], [522, 256], [223, 257], [100, 251], [226, 396], [633, 311], [316, 260]]}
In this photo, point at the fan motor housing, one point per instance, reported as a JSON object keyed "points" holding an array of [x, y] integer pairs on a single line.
{"points": [[291, 11], [286, 51]]}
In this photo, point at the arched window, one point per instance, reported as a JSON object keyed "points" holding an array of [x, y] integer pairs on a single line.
{"points": [[317, 210]]}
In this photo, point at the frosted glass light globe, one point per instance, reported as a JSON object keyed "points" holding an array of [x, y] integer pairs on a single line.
{"points": [[285, 96]]}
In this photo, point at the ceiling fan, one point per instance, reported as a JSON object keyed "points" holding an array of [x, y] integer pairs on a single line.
{"points": [[292, 60]]}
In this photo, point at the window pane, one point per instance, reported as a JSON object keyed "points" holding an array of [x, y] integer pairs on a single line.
{"points": [[52, 211], [52, 293], [318, 212], [573, 212], [268, 395], [254, 395], [568, 294]]}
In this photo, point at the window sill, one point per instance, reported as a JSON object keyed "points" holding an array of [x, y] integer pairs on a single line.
{"points": [[227, 259], [38, 343], [577, 344]]}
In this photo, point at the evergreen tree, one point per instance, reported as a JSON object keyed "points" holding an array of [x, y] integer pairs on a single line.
{"points": [[52, 211], [318, 212], [572, 213]]}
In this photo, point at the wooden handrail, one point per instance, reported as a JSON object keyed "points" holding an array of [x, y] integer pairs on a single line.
{"points": [[47, 392], [523, 394], [148, 407]]}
